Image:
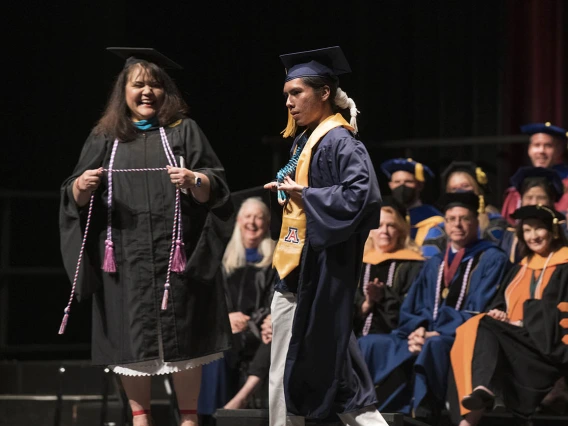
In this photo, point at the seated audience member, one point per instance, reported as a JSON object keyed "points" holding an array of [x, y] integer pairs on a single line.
{"points": [[536, 185], [546, 149], [519, 349], [410, 365], [248, 281], [463, 176], [391, 262], [406, 181]]}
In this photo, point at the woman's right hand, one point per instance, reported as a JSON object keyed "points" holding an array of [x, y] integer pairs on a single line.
{"points": [[498, 315], [239, 322], [85, 184], [89, 181]]}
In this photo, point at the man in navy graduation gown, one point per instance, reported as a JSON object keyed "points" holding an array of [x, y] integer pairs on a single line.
{"points": [[406, 182], [317, 370], [410, 365]]}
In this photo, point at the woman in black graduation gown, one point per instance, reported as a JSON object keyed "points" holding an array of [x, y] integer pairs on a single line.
{"points": [[520, 347], [391, 261], [139, 202], [248, 280]]}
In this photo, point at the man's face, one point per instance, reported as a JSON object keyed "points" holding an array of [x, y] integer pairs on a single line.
{"points": [[402, 177], [307, 107], [461, 226], [544, 150]]}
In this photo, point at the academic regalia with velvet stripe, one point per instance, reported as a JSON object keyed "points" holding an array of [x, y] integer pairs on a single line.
{"points": [[523, 363], [325, 373], [404, 379], [422, 218], [407, 266]]}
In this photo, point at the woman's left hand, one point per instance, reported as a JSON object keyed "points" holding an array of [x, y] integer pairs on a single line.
{"points": [[291, 188], [181, 178]]}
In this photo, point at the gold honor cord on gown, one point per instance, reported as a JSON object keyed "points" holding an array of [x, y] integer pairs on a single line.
{"points": [[293, 232]]}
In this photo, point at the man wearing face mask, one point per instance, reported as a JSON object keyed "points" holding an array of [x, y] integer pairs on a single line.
{"points": [[407, 178], [547, 146]]}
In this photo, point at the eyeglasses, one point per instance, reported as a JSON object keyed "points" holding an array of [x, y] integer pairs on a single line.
{"points": [[453, 220]]}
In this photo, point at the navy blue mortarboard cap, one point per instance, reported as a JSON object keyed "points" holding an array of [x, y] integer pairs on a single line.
{"points": [[549, 176], [329, 61], [548, 128], [419, 170], [136, 54]]}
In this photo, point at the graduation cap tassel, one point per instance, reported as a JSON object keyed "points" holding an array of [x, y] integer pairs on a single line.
{"points": [[345, 102], [291, 127]]}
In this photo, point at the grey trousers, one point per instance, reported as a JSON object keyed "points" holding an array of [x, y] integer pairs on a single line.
{"points": [[282, 311]]}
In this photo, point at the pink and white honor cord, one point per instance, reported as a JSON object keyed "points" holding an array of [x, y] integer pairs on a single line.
{"points": [[462, 289], [177, 229]]}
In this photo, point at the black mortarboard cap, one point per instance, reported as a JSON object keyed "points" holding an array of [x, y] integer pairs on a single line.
{"points": [[466, 199], [329, 61], [548, 128], [544, 213], [468, 167], [548, 176], [134, 54], [389, 201]]}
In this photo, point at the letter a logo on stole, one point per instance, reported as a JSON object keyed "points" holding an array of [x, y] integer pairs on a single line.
{"points": [[292, 236]]}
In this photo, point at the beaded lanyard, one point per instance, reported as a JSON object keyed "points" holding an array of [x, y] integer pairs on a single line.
{"points": [[366, 279], [290, 168], [176, 260], [462, 290]]}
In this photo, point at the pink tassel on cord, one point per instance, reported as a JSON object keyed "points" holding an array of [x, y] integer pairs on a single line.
{"points": [[63, 325], [165, 298], [109, 264], [179, 260]]}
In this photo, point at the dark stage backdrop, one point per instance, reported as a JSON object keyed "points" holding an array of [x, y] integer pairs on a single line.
{"points": [[421, 69]]}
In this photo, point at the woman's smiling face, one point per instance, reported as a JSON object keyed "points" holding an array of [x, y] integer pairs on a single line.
{"points": [[537, 237], [144, 95]]}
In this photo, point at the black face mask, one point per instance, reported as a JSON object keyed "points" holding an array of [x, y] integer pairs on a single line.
{"points": [[404, 194]]}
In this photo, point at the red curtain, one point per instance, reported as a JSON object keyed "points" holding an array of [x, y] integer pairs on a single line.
{"points": [[535, 83]]}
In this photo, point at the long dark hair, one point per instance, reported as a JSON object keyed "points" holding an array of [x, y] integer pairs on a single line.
{"points": [[555, 244], [116, 121]]}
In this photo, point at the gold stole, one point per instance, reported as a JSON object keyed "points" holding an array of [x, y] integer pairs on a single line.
{"points": [[293, 233]]}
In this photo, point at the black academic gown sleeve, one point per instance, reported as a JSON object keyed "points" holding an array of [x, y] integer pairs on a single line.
{"points": [[72, 220], [546, 319]]}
